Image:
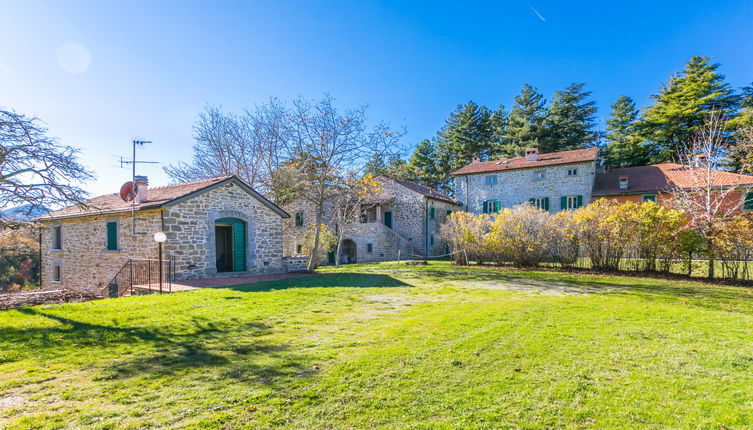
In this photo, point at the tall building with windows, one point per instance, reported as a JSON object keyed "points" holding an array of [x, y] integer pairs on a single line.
{"points": [[554, 181]]}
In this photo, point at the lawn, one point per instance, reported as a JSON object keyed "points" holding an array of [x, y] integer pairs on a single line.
{"points": [[389, 346]]}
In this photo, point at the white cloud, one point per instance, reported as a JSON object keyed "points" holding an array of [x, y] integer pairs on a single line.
{"points": [[73, 57]]}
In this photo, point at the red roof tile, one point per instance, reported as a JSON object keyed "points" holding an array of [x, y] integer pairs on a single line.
{"points": [[660, 178], [425, 190], [112, 203], [549, 159]]}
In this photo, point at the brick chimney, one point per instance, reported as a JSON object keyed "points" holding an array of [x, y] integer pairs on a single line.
{"points": [[141, 183], [532, 154], [623, 182]]}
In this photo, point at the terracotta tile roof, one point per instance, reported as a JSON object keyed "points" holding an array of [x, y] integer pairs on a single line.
{"points": [[549, 159], [425, 190], [112, 203], [659, 178]]}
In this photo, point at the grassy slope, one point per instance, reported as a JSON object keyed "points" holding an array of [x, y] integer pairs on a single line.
{"points": [[390, 346]]}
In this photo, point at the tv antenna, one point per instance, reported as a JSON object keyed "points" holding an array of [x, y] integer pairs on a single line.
{"points": [[133, 162]]}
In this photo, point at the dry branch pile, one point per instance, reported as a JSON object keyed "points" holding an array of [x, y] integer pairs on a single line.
{"points": [[43, 297]]}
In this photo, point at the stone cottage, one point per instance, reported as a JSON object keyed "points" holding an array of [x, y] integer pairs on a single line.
{"points": [[553, 181], [404, 219], [212, 226]]}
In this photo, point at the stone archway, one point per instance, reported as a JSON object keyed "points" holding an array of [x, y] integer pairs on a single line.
{"points": [[348, 252]]}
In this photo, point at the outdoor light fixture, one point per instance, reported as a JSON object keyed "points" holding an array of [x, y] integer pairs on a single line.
{"points": [[160, 237]]}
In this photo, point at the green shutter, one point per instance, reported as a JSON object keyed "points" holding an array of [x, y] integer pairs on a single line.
{"points": [[532, 201], [298, 219], [649, 198], [431, 213], [580, 201], [449, 213], [486, 207], [497, 206], [388, 219], [112, 236], [546, 203], [563, 203], [239, 246], [748, 201]]}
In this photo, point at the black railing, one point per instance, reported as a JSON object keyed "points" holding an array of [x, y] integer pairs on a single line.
{"points": [[143, 275]]}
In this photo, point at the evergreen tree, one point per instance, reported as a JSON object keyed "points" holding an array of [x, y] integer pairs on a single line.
{"points": [[683, 105], [394, 167], [423, 163], [498, 123], [525, 124], [570, 120], [624, 148], [466, 134]]}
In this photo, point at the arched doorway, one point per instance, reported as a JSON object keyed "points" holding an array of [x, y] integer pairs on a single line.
{"points": [[230, 244], [348, 252]]}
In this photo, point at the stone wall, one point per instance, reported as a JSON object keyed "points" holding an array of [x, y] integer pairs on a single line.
{"points": [[83, 258], [295, 264], [189, 226], [519, 186]]}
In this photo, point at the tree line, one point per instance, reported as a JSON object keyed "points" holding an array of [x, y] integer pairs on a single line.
{"points": [[633, 137]]}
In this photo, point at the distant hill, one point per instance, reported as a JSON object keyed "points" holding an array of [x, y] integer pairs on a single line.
{"points": [[23, 213]]}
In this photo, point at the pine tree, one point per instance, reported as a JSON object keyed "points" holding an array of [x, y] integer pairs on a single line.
{"points": [[570, 120], [683, 105], [498, 122], [423, 162], [624, 147], [393, 167], [525, 124], [466, 134]]}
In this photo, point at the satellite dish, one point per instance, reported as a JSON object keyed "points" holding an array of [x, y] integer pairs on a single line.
{"points": [[127, 192]]}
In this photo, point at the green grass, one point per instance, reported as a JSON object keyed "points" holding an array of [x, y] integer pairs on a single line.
{"points": [[389, 346]]}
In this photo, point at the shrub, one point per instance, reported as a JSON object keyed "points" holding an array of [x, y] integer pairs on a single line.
{"points": [[522, 235], [734, 246]]}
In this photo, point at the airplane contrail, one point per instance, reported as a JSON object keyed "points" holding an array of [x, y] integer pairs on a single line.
{"points": [[537, 13]]}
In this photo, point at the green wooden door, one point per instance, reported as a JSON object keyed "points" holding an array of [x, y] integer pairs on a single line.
{"points": [[239, 242], [388, 219]]}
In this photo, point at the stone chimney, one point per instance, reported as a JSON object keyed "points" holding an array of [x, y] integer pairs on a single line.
{"points": [[701, 159], [623, 182], [532, 154], [476, 159], [141, 184]]}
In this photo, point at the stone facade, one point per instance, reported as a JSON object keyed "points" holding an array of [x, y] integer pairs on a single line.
{"points": [[189, 224], [413, 232], [514, 187]]}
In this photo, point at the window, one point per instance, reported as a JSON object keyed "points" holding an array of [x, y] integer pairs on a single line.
{"points": [[57, 272], [491, 206], [112, 236], [299, 249], [449, 212], [571, 202], [539, 175], [491, 179], [431, 239], [431, 213], [369, 248], [748, 204], [299, 219], [57, 237], [649, 198], [540, 202], [572, 172]]}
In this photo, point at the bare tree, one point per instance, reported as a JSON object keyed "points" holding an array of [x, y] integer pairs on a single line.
{"points": [[35, 169], [352, 195], [711, 196], [324, 146]]}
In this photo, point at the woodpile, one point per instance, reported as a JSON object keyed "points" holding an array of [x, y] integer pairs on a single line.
{"points": [[44, 297]]}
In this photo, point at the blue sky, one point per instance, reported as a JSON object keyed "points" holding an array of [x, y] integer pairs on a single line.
{"points": [[102, 73]]}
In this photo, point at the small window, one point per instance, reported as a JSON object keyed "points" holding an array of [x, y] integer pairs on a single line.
{"points": [[449, 212], [299, 249], [57, 237], [431, 213], [491, 179], [112, 236], [572, 172], [649, 198], [491, 206], [748, 204], [57, 272], [540, 202], [369, 248], [299, 219], [571, 202], [539, 175], [431, 239]]}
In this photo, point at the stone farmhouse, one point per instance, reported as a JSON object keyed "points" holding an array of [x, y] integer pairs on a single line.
{"points": [[656, 182], [403, 219], [553, 182], [212, 226]]}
